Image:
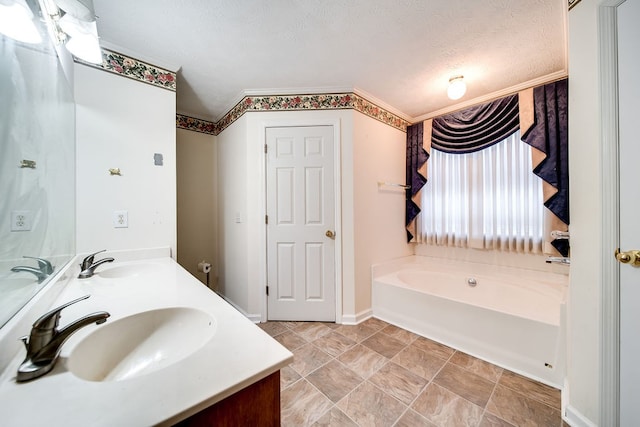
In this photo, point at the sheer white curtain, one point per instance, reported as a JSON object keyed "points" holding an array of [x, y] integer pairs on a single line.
{"points": [[489, 199]]}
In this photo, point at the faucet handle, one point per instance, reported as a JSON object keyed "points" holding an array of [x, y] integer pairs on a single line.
{"points": [[49, 320], [88, 260], [43, 264]]}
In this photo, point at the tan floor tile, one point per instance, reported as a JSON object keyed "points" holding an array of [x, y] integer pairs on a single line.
{"points": [[335, 418], [434, 348], [459, 387], [490, 420], [530, 388], [367, 405], [273, 328], [288, 376], [302, 404], [334, 380], [291, 325], [466, 384], [331, 325], [384, 344], [290, 340], [311, 330], [520, 410], [376, 324], [412, 419], [445, 408], [334, 343], [308, 358], [401, 335], [356, 332], [419, 362], [398, 382], [363, 361], [479, 367]]}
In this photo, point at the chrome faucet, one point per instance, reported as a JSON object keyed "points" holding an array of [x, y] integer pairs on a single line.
{"points": [[88, 267], [43, 270], [45, 341]]}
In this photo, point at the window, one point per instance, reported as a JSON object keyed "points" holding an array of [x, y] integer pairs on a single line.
{"points": [[489, 199]]}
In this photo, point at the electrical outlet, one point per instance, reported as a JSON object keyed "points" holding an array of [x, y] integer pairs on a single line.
{"points": [[120, 219], [21, 220]]}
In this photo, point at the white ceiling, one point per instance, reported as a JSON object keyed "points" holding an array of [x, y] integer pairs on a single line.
{"points": [[400, 53]]}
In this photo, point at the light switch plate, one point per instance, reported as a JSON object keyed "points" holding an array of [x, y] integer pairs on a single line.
{"points": [[120, 219]]}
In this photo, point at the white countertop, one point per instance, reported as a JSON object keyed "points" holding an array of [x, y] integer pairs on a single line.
{"points": [[238, 354]]}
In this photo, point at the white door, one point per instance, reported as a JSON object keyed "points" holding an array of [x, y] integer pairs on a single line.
{"points": [[300, 223], [629, 103]]}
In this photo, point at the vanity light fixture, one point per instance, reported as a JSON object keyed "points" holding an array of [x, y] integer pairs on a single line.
{"points": [[73, 23], [16, 21], [82, 39], [457, 87]]}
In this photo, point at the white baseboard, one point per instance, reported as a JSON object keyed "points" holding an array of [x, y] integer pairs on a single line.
{"points": [[575, 419], [354, 319], [255, 318]]}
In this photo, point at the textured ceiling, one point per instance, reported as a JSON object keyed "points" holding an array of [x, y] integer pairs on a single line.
{"points": [[400, 52]]}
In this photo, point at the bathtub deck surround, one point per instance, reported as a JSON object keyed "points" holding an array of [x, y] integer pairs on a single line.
{"points": [[207, 352], [514, 318], [375, 373]]}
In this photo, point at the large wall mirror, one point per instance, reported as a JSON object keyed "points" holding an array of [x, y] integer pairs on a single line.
{"points": [[37, 168]]}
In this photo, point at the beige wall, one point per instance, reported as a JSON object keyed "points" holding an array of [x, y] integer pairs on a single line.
{"points": [[379, 212], [197, 211]]}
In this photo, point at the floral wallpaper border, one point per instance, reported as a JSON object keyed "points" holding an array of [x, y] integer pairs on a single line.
{"points": [[196, 125], [123, 65], [331, 101]]}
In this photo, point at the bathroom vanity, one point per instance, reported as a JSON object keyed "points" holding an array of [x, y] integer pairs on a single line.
{"points": [[171, 352]]}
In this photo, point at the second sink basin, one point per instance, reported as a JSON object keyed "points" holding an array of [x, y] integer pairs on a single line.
{"points": [[141, 344]]}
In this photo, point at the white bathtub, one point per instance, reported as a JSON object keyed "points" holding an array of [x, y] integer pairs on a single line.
{"points": [[513, 317]]}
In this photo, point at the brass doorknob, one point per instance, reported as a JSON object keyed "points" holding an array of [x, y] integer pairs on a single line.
{"points": [[628, 257], [330, 234]]}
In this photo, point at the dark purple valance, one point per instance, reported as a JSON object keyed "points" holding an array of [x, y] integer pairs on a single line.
{"points": [[417, 156], [476, 128], [549, 134]]}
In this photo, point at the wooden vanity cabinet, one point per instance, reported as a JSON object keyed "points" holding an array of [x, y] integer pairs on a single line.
{"points": [[257, 405]]}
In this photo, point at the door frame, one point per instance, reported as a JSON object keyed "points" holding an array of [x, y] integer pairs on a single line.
{"points": [[337, 189], [610, 226]]}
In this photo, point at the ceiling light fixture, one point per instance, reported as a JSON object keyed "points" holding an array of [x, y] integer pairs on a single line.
{"points": [[16, 21], [457, 87]]}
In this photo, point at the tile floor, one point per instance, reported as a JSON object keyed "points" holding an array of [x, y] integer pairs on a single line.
{"points": [[376, 374]]}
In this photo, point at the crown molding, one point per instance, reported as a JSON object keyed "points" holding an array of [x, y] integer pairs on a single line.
{"points": [[495, 95]]}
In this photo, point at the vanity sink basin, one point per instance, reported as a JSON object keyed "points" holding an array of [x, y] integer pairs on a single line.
{"points": [[141, 344], [128, 270]]}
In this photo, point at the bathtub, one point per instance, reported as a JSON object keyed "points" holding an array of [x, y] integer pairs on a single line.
{"points": [[514, 318]]}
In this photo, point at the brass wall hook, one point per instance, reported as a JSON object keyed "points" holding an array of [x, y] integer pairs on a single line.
{"points": [[31, 164]]}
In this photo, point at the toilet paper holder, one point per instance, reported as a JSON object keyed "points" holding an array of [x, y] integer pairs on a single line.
{"points": [[204, 267]]}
